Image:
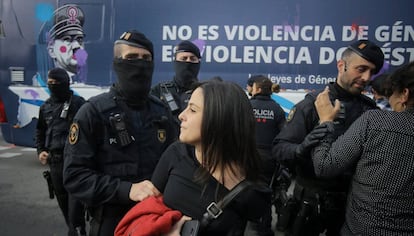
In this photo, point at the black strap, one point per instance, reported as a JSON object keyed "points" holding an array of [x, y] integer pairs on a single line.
{"points": [[214, 210]]}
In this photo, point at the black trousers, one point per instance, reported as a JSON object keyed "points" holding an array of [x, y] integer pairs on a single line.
{"points": [[105, 219], [264, 226], [317, 211], [73, 210]]}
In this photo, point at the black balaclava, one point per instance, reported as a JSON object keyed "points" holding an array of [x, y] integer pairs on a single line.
{"points": [[134, 80], [186, 74], [59, 91], [134, 76]]}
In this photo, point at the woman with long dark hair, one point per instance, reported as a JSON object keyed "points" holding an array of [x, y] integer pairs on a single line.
{"points": [[216, 151]]}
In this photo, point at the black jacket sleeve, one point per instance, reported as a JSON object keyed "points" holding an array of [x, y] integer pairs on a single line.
{"points": [[41, 132], [301, 120]]}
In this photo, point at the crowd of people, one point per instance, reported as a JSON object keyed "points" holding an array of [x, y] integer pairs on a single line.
{"points": [[189, 144]]}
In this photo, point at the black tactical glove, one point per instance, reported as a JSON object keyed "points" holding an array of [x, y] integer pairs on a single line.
{"points": [[312, 139]]}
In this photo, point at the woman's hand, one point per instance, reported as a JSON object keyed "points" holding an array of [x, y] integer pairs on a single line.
{"points": [[324, 107], [176, 229]]}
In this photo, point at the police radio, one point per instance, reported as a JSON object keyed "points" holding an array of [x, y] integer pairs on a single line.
{"points": [[118, 123], [169, 99], [65, 109], [66, 105]]}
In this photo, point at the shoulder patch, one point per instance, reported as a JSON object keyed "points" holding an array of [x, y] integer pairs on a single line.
{"points": [[73, 133], [291, 114], [162, 135]]}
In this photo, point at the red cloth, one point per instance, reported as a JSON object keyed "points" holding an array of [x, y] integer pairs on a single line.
{"points": [[149, 217]]}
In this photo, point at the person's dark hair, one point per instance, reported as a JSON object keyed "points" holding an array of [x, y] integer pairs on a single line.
{"points": [[263, 83], [250, 81], [276, 88], [377, 84], [217, 78], [399, 80], [227, 131]]}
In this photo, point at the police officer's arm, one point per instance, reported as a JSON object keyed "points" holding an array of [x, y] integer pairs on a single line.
{"points": [[280, 117], [41, 132], [156, 91], [298, 125], [140, 191], [81, 176], [42, 152]]}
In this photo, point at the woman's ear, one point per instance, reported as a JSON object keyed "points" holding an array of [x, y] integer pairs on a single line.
{"points": [[405, 95]]}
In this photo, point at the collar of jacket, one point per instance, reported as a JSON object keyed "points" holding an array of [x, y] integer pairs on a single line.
{"points": [[261, 97]]}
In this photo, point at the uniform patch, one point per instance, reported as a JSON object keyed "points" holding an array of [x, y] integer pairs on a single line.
{"points": [[291, 114], [73, 133], [162, 135]]}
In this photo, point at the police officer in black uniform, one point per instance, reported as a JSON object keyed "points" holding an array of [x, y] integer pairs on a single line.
{"points": [[177, 92], [55, 117], [321, 202], [270, 118], [117, 138]]}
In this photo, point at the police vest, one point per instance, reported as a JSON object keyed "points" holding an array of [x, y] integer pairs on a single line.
{"points": [[171, 95], [132, 141], [58, 122]]}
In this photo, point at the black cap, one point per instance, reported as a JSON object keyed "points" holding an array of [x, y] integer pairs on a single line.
{"points": [[370, 52], [137, 39], [67, 18], [59, 74], [188, 46]]}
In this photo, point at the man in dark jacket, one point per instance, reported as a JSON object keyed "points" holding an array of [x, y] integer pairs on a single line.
{"points": [[177, 92], [55, 117], [117, 138], [322, 201]]}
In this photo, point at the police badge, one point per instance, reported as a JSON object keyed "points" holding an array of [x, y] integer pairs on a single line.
{"points": [[291, 114], [162, 135], [73, 133]]}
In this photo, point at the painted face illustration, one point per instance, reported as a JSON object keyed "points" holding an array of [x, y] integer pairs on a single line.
{"points": [[66, 51]]}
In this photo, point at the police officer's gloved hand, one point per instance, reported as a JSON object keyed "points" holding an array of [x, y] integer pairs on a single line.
{"points": [[312, 139]]}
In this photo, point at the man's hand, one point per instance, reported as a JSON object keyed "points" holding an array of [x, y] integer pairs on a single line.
{"points": [[43, 157], [312, 139], [140, 191]]}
